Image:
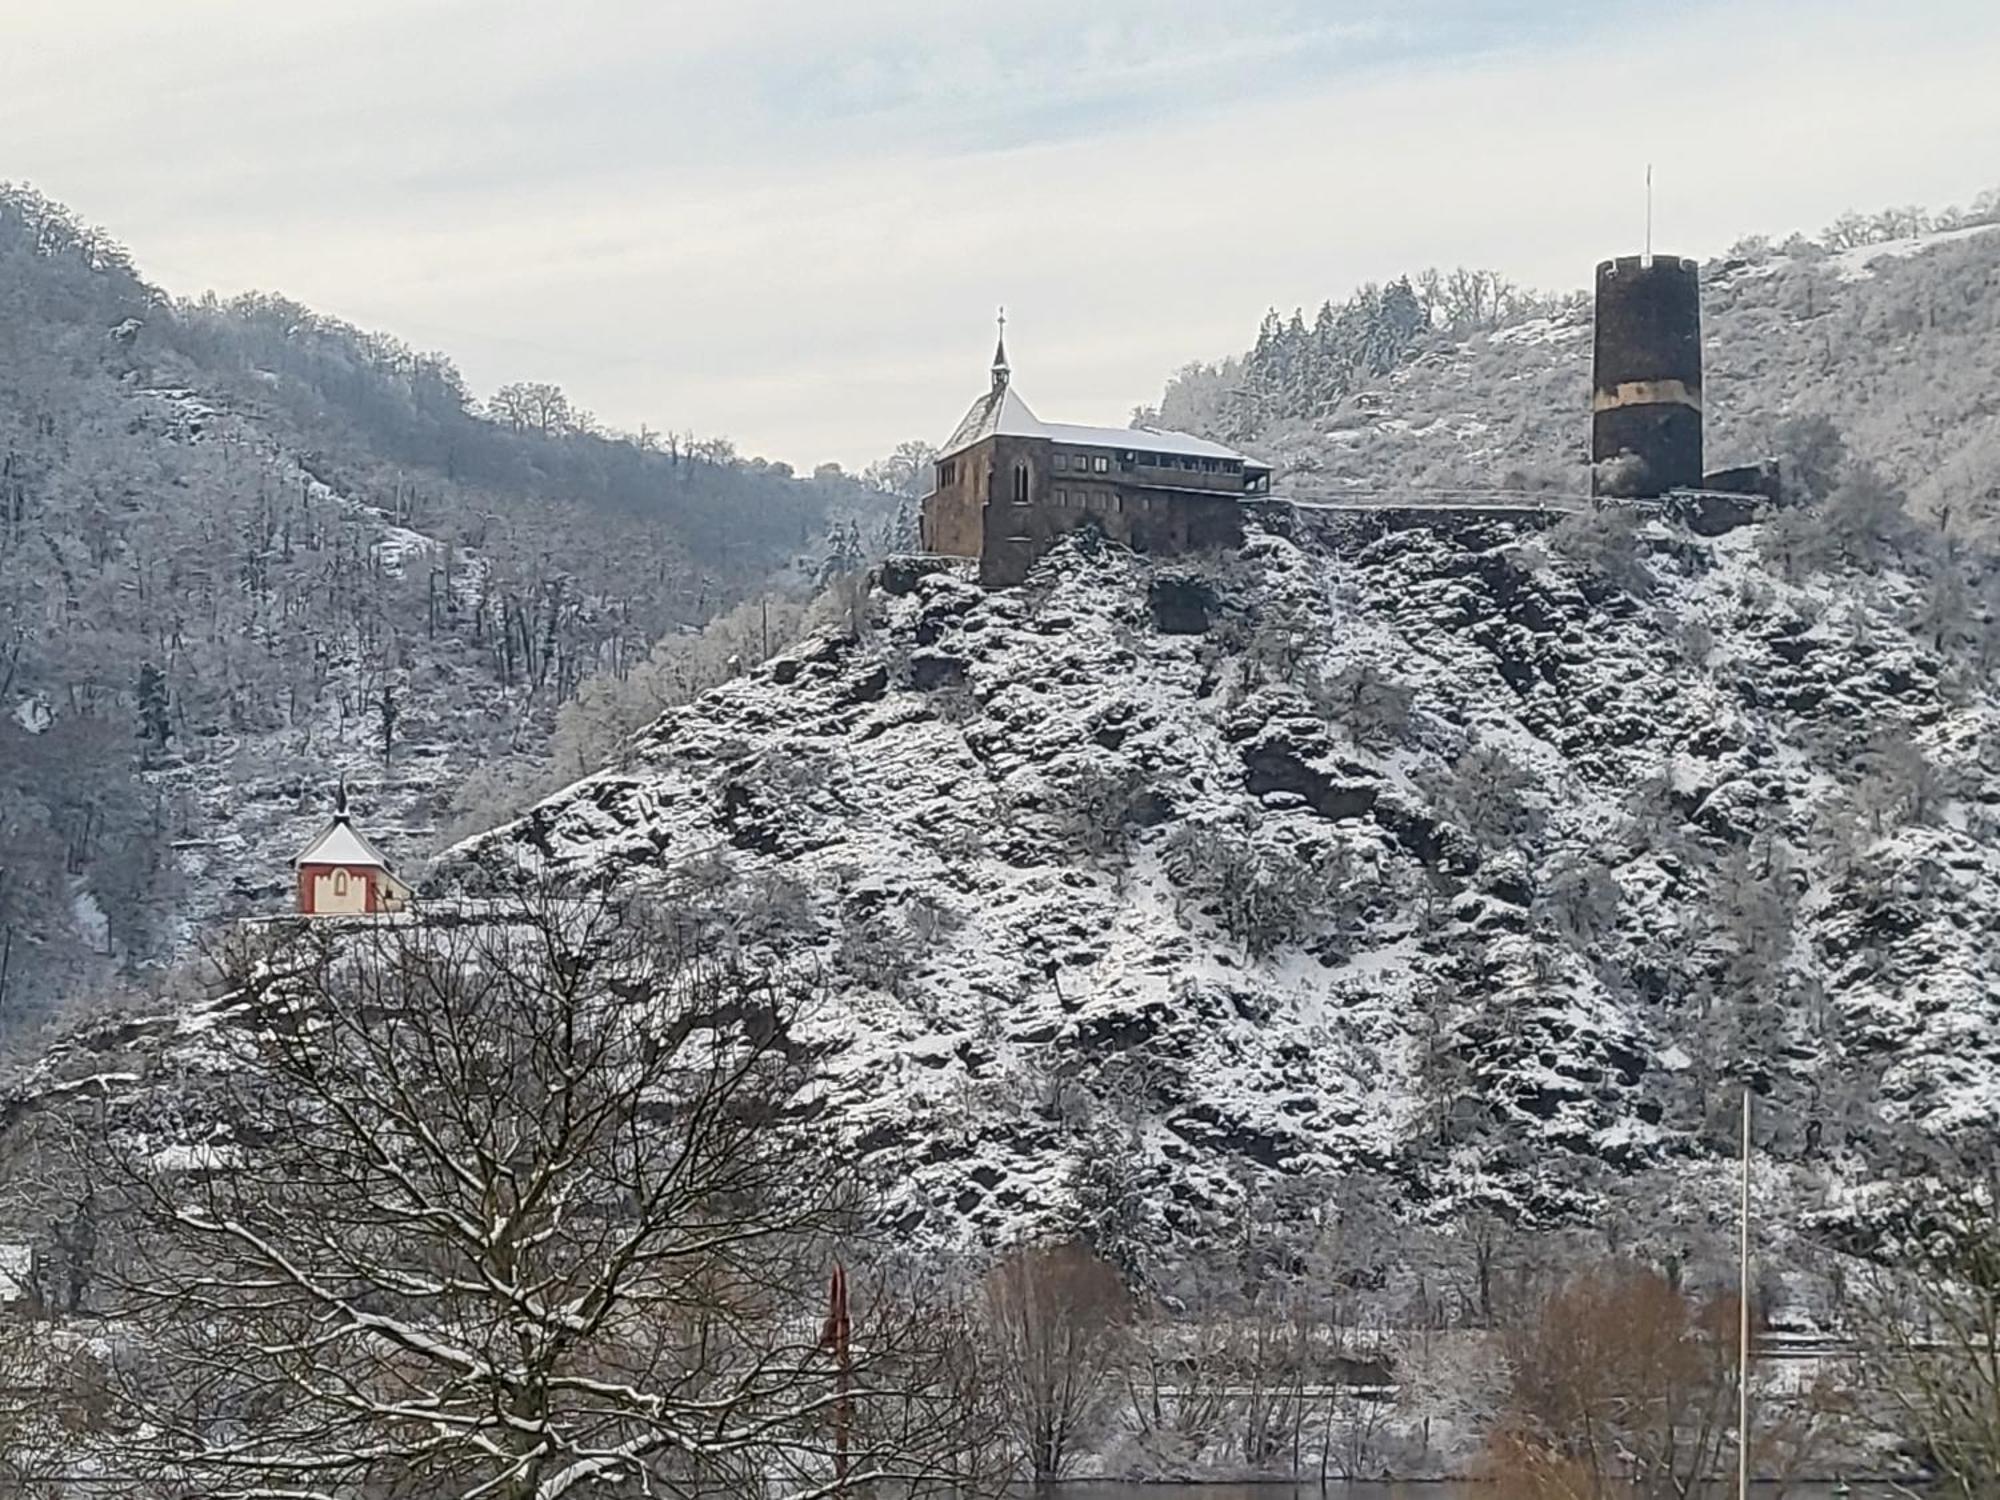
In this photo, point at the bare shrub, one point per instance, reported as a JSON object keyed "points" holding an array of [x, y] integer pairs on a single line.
{"points": [[1375, 708], [1606, 545], [1265, 893], [1098, 802], [1620, 1384], [1486, 794]]}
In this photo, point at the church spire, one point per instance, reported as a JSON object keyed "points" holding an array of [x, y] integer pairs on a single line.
{"points": [[1001, 372]]}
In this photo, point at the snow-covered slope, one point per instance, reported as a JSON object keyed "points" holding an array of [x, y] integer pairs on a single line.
{"points": [[1430, 855], [1897, 342]]}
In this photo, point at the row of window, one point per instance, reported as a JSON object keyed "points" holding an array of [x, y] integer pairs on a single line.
{"points": [[1188, 461], [1099, 463]]}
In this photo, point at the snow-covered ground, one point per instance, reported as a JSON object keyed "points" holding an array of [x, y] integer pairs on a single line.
{"points": [[1862, 260]]}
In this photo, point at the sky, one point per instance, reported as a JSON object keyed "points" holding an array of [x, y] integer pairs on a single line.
{"points": [[790, 221]]}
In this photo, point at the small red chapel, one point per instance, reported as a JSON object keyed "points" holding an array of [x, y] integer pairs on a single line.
{"points": [[341, 874]]}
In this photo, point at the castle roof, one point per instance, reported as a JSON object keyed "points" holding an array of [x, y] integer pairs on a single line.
{"points": [[341, 843], [1002, 413]]}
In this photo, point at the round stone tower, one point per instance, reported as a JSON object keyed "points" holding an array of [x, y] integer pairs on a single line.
{"points": [[1645, 430]]}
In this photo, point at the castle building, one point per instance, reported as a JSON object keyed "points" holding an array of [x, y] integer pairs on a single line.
{"points": [[341, 874], [1008, 486]]}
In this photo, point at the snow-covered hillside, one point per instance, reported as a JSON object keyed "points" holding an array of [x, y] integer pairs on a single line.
{"points": [[1433, 856], [247, 550], [1897, 342]]}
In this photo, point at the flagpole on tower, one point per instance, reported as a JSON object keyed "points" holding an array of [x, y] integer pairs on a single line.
{"points": [[1649, 213]]}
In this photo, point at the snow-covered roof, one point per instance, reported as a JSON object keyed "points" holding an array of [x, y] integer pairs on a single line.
{"points": [[1146, 439], [340, 843], [1002, 413]]}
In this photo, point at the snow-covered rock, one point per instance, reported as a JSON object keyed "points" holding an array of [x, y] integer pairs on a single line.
{"points": [[1427, 855]]}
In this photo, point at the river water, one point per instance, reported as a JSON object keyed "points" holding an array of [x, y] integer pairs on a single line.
{"points": [[1393, 1490]]}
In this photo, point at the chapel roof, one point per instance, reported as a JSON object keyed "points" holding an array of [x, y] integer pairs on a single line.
{"points": [[341, 843]]}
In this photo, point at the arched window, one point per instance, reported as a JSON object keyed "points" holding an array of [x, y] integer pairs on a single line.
{"points": [[1020, 484], [340, 882]]}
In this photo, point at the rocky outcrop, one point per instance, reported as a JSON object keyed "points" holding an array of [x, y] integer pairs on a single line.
{"points": [[1431, 857]]}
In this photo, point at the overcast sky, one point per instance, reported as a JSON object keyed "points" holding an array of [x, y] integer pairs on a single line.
{"points": [[789, 221]]}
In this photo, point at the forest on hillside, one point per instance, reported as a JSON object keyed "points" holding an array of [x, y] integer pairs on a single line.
{"points": [[246, 549]]}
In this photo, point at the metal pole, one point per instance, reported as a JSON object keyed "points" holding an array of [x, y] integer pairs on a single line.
{"points": [[835, 1336], [1743, 1320], [1649, 213]]}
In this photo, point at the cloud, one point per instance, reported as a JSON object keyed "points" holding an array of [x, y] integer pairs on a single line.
{"points": [[789, 222]]}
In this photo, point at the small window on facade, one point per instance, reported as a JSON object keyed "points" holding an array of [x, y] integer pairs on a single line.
{"points": [[1102, 464], [1020, 484], [340, 882], [1062, 497], [1062, 460]]}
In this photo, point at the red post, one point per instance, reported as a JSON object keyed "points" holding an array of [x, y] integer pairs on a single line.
{"points": [[834, 1336]]}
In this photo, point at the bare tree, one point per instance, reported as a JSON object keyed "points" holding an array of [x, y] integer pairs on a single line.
{"points": [[1931, 1321], [905, 472], [1054, 1318], [1177, 1383], [30, 1402], [524, 1206], [534, 406]]}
